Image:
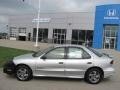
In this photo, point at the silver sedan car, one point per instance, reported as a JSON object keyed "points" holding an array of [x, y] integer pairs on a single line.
{"points": [[69, 61]]}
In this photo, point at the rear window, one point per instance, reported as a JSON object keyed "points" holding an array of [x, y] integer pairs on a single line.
{"points": [[95, 52]]}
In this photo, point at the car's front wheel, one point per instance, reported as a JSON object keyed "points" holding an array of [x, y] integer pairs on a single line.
{"points": [[23, 73], [93, 76]]}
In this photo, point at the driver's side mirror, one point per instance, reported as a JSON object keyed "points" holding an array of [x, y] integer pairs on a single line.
{"points": [[43, 57]]}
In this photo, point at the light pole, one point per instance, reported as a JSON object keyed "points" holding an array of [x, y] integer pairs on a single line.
{"points": [[38, 18]]}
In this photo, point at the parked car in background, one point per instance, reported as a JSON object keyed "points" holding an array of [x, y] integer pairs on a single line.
{"points": [[70, 61]]}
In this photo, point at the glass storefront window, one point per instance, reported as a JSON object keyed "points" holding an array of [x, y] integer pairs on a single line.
{"points": [[113, 33], [89, 37], [82, 37], [13, 32], [110, 36], [59, 36], [110, 27], [107, 33], [22, 30], [42, 35]]}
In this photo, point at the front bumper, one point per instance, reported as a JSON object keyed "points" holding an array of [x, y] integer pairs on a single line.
{"points": [[9, 68]]}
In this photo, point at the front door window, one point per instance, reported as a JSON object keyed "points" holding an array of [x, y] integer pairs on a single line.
{"points": [[57, 53]]}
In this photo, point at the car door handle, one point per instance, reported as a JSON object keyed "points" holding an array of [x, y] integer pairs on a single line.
{"points": [[89, 62], [60, 62]]}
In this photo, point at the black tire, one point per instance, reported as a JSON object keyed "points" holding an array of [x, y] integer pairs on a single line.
{"points": [[94, 76], [23, 73]]}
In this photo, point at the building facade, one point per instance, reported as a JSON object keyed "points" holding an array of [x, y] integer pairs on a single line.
{"points": [[61, 28], [99, 30]]}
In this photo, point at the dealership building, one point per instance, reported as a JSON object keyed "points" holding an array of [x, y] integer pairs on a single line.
{"points": [[99, 29]]}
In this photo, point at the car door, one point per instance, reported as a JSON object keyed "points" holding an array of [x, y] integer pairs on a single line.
{"points": [[51, 63], [77, 62]]}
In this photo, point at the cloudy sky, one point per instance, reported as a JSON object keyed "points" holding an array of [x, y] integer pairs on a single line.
{"points": [[73, 5], [30, 6], [14, 7]]}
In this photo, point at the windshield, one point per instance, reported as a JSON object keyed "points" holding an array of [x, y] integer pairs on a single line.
{"points": [[95, 52], [40, 52]]}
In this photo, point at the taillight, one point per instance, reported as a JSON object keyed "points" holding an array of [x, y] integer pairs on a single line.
{"points": [[112, 62]]}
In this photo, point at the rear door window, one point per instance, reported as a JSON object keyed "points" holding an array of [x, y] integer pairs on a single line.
{"points": [[77, 53]]}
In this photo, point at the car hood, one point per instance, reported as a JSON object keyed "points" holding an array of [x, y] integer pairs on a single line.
{"points": [[25, 56]]}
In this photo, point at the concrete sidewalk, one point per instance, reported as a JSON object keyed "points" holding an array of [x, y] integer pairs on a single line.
{"points": [[26, 45]]}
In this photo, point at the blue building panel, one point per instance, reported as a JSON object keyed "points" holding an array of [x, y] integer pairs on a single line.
{"points": [[98, 34], [118, 41], [105, 14]]}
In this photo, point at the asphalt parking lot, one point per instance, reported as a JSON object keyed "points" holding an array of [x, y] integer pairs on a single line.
{"points": [[42, 83], [10, 83]]}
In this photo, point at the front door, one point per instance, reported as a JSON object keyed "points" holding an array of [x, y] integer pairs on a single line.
{"points": [[59, 36], [52, 63]]}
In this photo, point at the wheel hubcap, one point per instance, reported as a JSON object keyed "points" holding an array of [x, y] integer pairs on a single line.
{"points": [[94, 76], [22, 73]]}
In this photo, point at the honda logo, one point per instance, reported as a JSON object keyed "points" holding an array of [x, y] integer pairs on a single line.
{"points": [[111, 12]]}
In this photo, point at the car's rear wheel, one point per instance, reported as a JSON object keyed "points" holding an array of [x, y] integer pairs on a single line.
{"points": [[23, 73], [93, 76]]}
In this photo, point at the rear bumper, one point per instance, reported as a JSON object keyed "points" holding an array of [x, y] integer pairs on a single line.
{"points": [[9, 68], [109, 72]]}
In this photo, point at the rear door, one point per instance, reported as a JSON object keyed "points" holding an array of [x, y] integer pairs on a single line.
{"points": [[78, 60]]}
